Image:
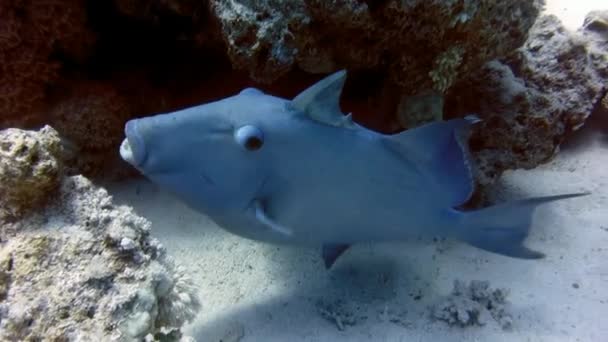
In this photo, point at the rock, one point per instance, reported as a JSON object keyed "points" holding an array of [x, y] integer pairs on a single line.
{"points": [[595, 28], [571, 67], [148, 9], [531, 101], [473, 304], [66, 274], [420, 109], [30, 169]]}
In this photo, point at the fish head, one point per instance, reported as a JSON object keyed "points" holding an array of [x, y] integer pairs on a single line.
{"points": [[235, 158], [214, 156]]}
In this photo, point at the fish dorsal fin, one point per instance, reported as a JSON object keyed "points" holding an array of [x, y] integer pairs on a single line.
{"points": [[321, 101], [440, 152], [251, 91]]}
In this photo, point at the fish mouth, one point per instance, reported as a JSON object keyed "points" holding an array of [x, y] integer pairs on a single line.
{"points": [[132, 148]]}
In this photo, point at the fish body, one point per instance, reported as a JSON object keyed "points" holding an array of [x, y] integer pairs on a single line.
{"points": [[301, 172]]}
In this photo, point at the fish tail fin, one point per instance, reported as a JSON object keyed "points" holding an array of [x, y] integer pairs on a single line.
{"points": [[503, 228]]}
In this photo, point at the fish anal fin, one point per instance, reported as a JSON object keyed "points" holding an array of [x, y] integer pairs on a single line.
{"points": [[331, 252]]}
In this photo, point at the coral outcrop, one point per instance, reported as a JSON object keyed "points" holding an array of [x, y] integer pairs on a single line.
{"points": [[30, 169], [78, 268], [530, 102], [85, 269], [424, 44]]}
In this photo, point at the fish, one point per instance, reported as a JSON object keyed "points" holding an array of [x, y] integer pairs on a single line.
{"points": [[302, 172]]}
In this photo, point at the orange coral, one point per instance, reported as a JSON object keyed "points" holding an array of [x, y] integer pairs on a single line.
{"points": [[30, 33], [91, 116]]}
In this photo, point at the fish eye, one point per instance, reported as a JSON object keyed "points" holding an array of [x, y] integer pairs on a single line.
{"points": [[249, 137]]}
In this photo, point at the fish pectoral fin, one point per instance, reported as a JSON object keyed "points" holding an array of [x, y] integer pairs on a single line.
{"points": [[262, 217], [331, 252]]}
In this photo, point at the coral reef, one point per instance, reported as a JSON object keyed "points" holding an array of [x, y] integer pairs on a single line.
{"points": [[32, 35], [530, 102], [473, 304], [85, 269], [424, 44], [426, 60], [30, 169]]}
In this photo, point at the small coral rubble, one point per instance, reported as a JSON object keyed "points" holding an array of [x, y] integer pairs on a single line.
{"points": [[474, 304]]}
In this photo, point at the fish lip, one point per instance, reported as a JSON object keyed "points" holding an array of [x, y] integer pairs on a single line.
{"points": [[126, 152], [132, 148]]}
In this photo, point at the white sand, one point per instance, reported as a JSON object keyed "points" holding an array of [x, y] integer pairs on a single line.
{"points": [[259, 292], [573, 12]]}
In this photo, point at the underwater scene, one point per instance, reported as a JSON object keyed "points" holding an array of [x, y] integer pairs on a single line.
{"points": [[303, 170]]}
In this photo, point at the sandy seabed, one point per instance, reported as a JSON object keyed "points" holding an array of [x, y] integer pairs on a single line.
{"points": [[253, 291]]}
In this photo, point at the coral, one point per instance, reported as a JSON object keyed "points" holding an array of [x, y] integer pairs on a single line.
{"points": [[445, 70], [424, 44], [91, 118], [30, 169], [32, 34], [473, 304], [85, 269], [530, 102]]}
